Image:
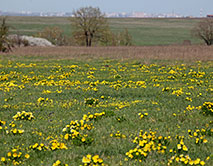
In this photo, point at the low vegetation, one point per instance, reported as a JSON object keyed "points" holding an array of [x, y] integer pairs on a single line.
{"points": [[5, 44], [204, 31], [105, 112]]}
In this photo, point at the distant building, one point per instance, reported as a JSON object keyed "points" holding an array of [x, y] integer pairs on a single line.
{"points": [[210, 15]]}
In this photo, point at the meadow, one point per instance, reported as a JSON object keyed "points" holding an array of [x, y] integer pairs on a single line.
{"points": [[85, 108], [144, 31]]}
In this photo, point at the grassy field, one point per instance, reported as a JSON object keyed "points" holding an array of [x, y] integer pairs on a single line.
{"points": [[86, 108], [147, 31]]}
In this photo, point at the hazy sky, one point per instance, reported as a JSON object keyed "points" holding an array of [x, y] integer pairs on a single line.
{"points": [[184, 7]]}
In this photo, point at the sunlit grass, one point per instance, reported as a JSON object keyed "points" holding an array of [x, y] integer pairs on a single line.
{"points": [[105, 112]]}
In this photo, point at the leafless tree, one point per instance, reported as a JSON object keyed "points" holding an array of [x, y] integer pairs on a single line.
{"points": [[89, 24], [204, 30]]}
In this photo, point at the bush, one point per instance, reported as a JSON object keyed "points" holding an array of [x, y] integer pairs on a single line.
{"points": [[5, 44], [116, 39], [54, 35]]}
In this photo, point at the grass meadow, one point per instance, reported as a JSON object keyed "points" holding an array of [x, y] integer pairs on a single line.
{"points": [[144, 31], [91, 109]]}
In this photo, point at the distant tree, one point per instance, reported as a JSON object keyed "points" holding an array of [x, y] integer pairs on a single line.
{"points": [[5, 44], [90, 25], [204, 30], [122, 38], [125, 39]]}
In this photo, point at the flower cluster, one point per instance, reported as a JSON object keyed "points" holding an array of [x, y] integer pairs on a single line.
{"points": [[117, 135], [207, 108], [14, 157], [72, 131], [95, 116], [90, 160], [2, 123], [59, 163], [199, 135], [91, 101], [23, 116], [54, 145], [185, 159], [44, 101], [39, 147], [15, 131], [141, 115], [146, 143]]}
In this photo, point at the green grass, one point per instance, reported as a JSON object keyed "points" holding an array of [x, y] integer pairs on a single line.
{"points": [[122, 91], [146, 31]]}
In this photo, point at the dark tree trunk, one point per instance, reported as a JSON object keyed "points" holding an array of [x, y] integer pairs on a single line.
{"points": [[87, 39]]}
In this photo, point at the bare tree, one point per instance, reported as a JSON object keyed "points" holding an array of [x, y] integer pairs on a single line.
{"points": [[89, 24], [204, 30]]}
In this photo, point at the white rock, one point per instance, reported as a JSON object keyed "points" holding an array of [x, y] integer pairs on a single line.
{"points": [[35, 41]]}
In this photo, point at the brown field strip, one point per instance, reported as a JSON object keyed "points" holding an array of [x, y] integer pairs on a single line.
{"points": [[173, 52]]}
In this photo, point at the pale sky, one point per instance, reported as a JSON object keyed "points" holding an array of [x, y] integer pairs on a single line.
{"points": [[183, 7]]}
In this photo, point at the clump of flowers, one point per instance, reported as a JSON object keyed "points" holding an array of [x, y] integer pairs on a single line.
{"points": [[178, 92], [39, 147], [72, 131], [118, 135], [15, 131], [146, 143], [44, 101], [185, 159], [54, 145], [94, 116], [166, 89], [199, 135], [207, 108], [90, 160], [16, 156], [23, 116], [91, 101], [2, 123], [181, 147], [59, 163], [141, 115]]}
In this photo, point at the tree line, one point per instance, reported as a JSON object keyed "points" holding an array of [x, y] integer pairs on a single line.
{"points": [[91, 28]]}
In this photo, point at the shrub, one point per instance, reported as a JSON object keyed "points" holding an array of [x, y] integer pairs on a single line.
{"points": [[5, 44], [54, 35]]}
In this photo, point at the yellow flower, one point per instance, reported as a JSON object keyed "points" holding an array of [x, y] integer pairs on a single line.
{"points": [[185, 148], [27, 156], [197, 161], [195, 134], [205, 141], [191, 162], [178, 146], [63, 146], [95, 158], [9, 154], [3, 159], [202, 163], [83, 139], [15, 154], [66, 137], [86, 160]]}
